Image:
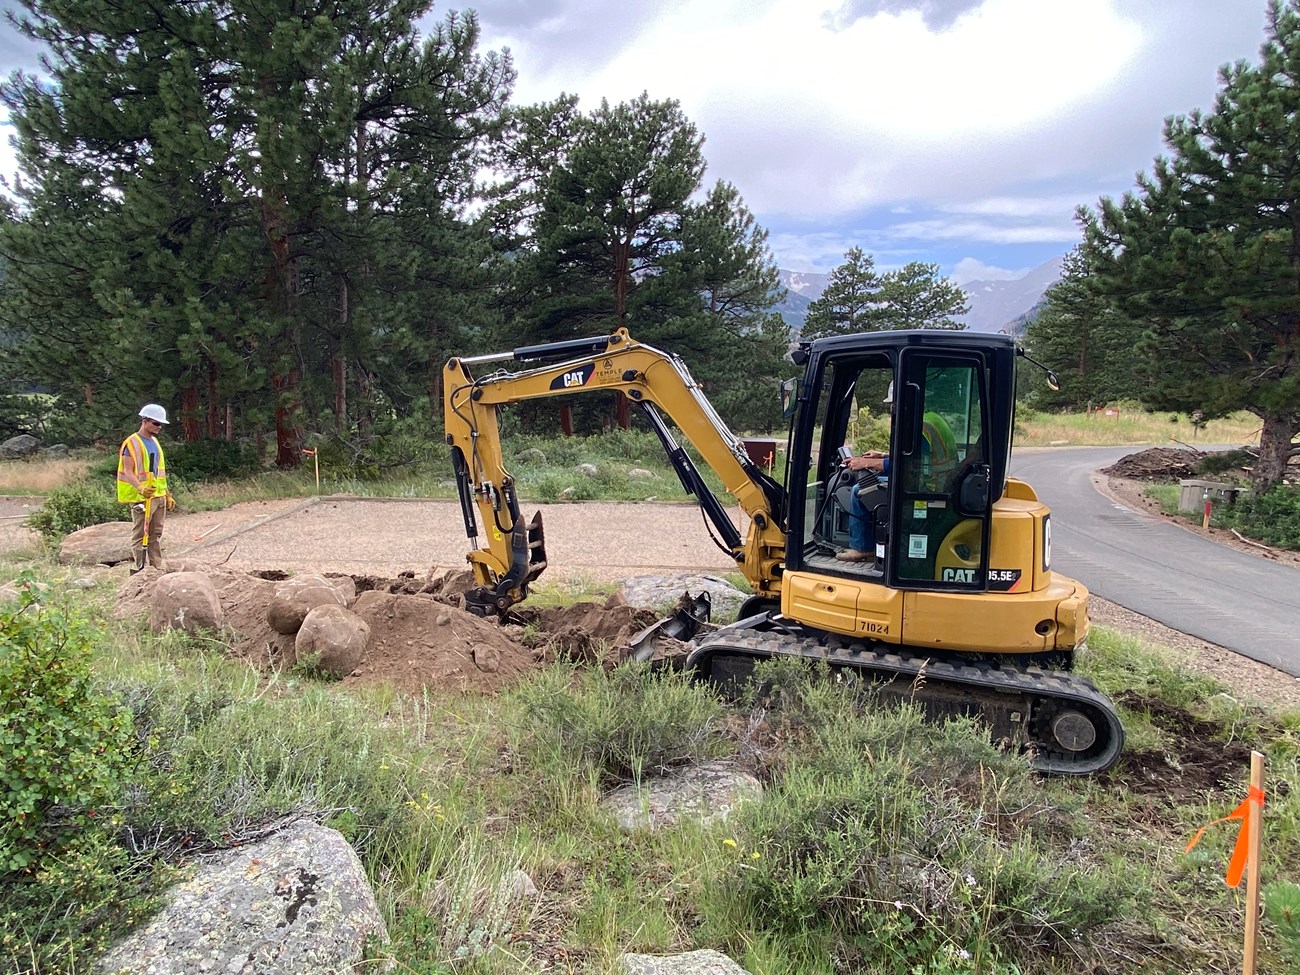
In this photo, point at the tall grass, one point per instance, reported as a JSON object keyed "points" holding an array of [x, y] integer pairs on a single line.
{"points": [[42, 475], [1128, 423]]}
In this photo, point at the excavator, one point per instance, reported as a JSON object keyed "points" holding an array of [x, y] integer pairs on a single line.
{"points": [[959, 611]]}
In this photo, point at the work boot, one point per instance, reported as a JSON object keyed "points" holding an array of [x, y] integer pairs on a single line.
{"points": [[853, 555]]}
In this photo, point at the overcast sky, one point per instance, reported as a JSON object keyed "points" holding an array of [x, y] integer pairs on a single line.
{"points": [[956, 131]]}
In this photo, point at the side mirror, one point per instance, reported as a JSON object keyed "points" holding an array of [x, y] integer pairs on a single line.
{"points": [[789, 397], [973, 492]]}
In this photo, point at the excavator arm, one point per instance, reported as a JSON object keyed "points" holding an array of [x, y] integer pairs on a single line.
{"points": [[514, 552]]}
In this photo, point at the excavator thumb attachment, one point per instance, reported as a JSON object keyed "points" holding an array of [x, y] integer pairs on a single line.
{"points": [[527, 560], [692, 613]]}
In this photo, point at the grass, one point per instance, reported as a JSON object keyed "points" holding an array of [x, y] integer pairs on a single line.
{"points": [[1129, 424], [40, 476], [883, 843], [550, 470]]}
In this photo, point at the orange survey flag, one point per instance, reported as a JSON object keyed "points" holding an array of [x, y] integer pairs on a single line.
{"points": [[1237, 865]]}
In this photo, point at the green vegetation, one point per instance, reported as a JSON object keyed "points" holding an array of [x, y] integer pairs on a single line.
{"points": [[1126, 422], [71, 508], [1183, 292], [883, 843]]}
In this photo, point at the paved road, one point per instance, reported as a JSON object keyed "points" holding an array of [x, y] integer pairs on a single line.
{"points": [[1155, 568]]}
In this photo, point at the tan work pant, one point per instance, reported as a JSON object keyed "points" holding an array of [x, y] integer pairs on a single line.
{"points": [[157, 513]]}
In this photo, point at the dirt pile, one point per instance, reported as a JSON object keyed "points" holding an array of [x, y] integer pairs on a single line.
{"points": [[419, 634], [1157, 464]]}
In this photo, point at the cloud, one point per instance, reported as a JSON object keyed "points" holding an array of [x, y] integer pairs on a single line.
{"points": [[936, 14], [971, 269]]}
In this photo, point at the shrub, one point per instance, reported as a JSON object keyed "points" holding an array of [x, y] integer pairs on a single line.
{"points": [[69, 509], [212, 460], [1220, 461], [619, 725], [904, 838], [872, 432], [65, 745], [1272, 517], [75, 905]]}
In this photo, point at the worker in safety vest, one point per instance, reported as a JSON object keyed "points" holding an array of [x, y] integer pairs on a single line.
{"points": [[142, 483]]}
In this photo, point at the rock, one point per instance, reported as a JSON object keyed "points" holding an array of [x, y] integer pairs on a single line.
{"points": [[590, 470], [642, 473], [346, 587], [659, 592], [55, 450], [83, 583], [531, 456], [296, 903], [23, 445], [338, 638], [296, 597], [706, 793], [566, 495], [185, 601], [486, 658], [706, 962], [108, 544]]}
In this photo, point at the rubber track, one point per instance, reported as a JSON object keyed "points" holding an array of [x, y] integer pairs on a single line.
{"points": [[1030, 684]]}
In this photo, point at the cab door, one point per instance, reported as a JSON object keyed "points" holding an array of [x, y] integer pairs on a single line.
{"points": [[938, 538]]}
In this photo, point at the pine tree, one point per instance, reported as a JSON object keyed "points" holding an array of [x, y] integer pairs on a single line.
{"points": [[1206, 252], [851, 301], [915, 296], [1086, 341], [232, 208]]}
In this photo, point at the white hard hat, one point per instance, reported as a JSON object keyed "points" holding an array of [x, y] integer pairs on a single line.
{"points": [[152, 411], [889, 396]]}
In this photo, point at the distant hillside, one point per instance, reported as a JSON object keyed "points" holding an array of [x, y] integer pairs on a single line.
{"points": [[994, 305]]}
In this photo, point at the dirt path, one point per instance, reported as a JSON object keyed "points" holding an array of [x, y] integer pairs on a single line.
{"points": [[596, 541]]}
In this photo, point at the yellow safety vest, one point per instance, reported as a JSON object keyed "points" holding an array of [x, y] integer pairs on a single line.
{"points": [[127, 492]]}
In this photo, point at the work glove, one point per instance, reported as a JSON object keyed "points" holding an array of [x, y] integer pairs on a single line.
{"points": [[147, 491], [171, 503]]}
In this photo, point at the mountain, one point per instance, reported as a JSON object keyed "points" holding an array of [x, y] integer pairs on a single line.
{"points": [[995, 305], [802, 289]]}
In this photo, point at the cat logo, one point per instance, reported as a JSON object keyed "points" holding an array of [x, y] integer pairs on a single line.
{"points": [[959, 575], [576, 377]]}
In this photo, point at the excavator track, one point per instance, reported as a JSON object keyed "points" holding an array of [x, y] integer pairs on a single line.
{"points": [[1060, 719]]}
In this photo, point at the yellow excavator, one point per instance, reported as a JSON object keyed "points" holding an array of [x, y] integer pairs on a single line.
{"points": [[959, 609]]}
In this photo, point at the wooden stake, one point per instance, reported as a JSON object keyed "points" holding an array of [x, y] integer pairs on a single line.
{"points": [[1252, 864]]}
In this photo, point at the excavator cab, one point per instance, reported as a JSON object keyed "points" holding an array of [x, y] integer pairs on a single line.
{"points": [[924, 520]]}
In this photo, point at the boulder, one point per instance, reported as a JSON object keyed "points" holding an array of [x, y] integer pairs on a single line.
{"points": [[185, 601], [531, 456], [23, 445], [641, 473], [296, 597], [55, 450], [106, 544], [704, 962], [336, 637], [296, 903], [706, 793], [658, 592], [346, 587], [588, 470]]}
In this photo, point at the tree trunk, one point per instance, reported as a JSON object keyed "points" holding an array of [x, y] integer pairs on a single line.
{"points": [[214, 415], [191, 428], [340, 392], [1274, 449], [288, 438], [622, 274]]}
